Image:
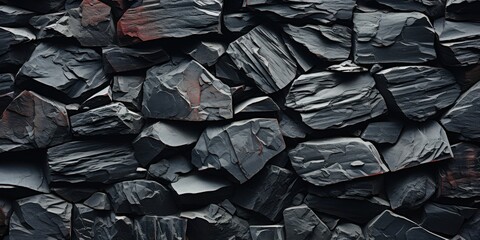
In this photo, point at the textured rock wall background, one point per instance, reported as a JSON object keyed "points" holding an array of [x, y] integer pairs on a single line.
{"points": [[239, 119]]}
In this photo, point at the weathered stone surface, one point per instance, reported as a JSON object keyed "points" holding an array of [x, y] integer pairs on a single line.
{"points": [[291, 128], [91, 162], [409, 189], [170, 169], [11, 16], [201, 189], [382, 132], [264, 232], [418, 144], [347, 67], [19, 172], [111, 119], [52, 25], [6, 83], [9, 37], [141, 197], [98, 201], [445, 219], [419, 91], [33, 121], [240, 22], [462, 10], [272, 68], [334, 160], [304, 58], [328, 100], [41, 6], [185, 90], [268, 193], [123, 59], [331, 43], [215, 223], [72, 72], [432, 8], [257, 105], [162, 138], [459, 42], [393, 38], [462, 117], [160, 228], [356, 189], [101, 98], [389, 225], [206, 53], [347, 231], [226, 70], [74, 194], [41, 217], [167, 19], [242, 148], [459, 178], [128, 90], [301, 223]]}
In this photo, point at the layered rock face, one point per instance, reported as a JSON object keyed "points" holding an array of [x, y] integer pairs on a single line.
{"points": [[239, 119]]}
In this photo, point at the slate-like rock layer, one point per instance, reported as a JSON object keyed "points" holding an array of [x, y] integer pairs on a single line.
{"points": [[459, 42]]}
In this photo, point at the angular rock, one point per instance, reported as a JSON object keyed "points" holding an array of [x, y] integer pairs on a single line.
{"points": [[53, 25], [459, 178], [170, 169], [162, 138], [461, 118], [98, 201], [470, 228], [41, 6], [84, 219], [123, 59], [408, 190], [5, 213], [241, 148], [347, 67], [128, 90], [226, 70], [271, 69], [389, 225], [462, 10], [339, 100], [334, 160], [419, 91], [33, 121], [393, 38], [169, 19], [6, 83], [432, 8], [9, 37], [141, 197], [291, 128], [160, 228], [41, 217], [356, 189], [271, 232], [240, 22], [65, 71], [101, 98], [445, 219], [304, 58], [201, 189], [5, 100], [91, 162], [459, 42], [382, 132], [215, 223], [18, 172], [271, 191], [418, 144], [74, 194], [347, 231], [301, 223], [185, 91], [206, 53], [257, 105], [331, 43], [107, 120], [11, 16]]}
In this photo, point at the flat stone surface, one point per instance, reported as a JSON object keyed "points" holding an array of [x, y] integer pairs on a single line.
{"points": [[271, 69], [98, 201], [206, 53], [419, 91], [382, 132], [334, 160], [418, 144], [10, 37], [123, 59], [241, 148], [32, 121], [432, 8], [11, 16], [267, 232], [360, 188], [169, 169], [337, 99], [393, 38], [158, 227], [459, 42], [185, 90], [20, 172], [41, 6], [347, 231], [200, 189], [445, 219], [128, 90], [301, 223], [408, 190], [462, 10], [257, 105]]}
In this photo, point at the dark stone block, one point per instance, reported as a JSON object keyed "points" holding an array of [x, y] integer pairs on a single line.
{"points": [[170, 169], [160, 228], [201, 189], [356, 189], [410, 189], [348, 231], [128, 90], [257, 105], [382, 132], [301, 223], [18, 172], [74, 194], [267, 232], [432, 8], [291, 128], [123, 59], [240, 22], [11, 16], [5, 213], [445, 219], [206, 53], [41, 6], [98, 201], [458, 42], [469, 230], [462, 10], [101, 98]]}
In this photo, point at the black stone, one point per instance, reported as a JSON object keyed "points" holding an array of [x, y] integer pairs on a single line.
{"points": [[5, 213], [123, 59], [101, 98], [328, 161], [462, 10], [74, 194], [301, 223], [382, 37], [291, 128], [19, 172], [347, 67], [11, 16], [382, 132], [445, 219], [11, 42], [41, 6], [141, 197], [185, 90], [347, 231], [339, 100], [410, 189], [226, 70], [458, 42], [128, 90], [469, 229], [98, 201], [356, 189], [267, 232], [240, 22], [256, 105], [241, 148], [160, 228], [199, 189], [432, 8], [206, 53], [6, 83], [169, 169]]}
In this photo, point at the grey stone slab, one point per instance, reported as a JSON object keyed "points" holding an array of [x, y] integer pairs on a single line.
{"points": [[445, 219], [301, 223], [267, 232], [347, 231], [128, 90], [462, 10], [201, 189], [382, 132], [205, 52], [160, 228], [408, 190], [459, 42], [11, 16], [123, 59], [98, 201], [19, 172], [169, 169], [257, 105]]}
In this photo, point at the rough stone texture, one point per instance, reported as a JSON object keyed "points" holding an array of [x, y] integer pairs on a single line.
{"points": [[445, 219], [328, 100], [123, 59], [462, 10], [9, 37], [107, 120], [356, 189], [410, 189], [462, 117], [100, 98], [98, 201], [383, 132], [470, 228], [33, 121], [459, 42], [272, 68], [185, 90], [240, 22], [72, 72], [206, 53], [347, 67], [128, 90], [215, 223], [257, 105], [160, 228], [161, 138], [99, 162], [393, 38], [347, 231], [242, 148], [5, 213], [20, 172], [41, 217], [458, 179], [331, 43], [432, 8], [334, 160], [418, 144], [419, 91], [6, 82], [11, 16], [291, 128], [166, 19], [141, 197], [271, 191], [261, 232], [41, 6], [170, 169], [301, 223], [200, 189]]}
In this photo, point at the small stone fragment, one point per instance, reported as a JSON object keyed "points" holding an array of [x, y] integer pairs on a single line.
{"points": [[170, 169], [462, 10], [9, 37], [11, 16], [20, 172], [291, 128], [98, 201], [128, 90], [347, 67], [382, 132], [257, 105], [408, 190], [101, 98], [267, 232], [160, 228], [347, 231], [356, 189], [123, 59], [445, 219], [240, 22], [301, 223], [206, 53], [200, 189], [459, 42]]}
